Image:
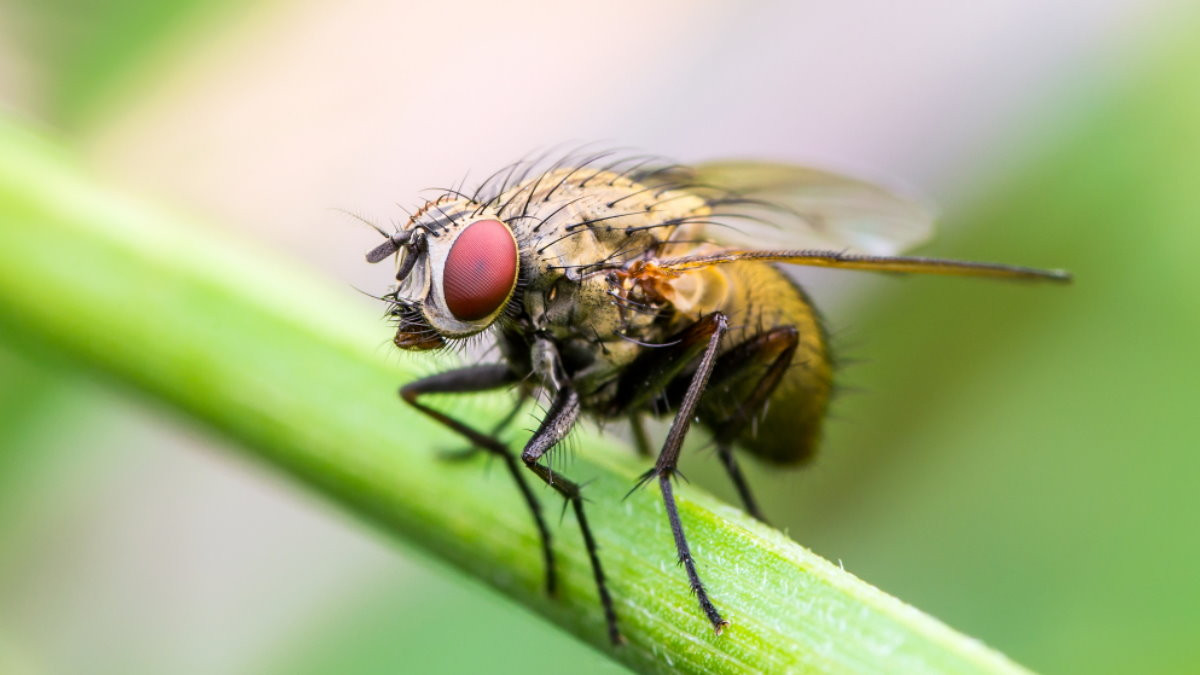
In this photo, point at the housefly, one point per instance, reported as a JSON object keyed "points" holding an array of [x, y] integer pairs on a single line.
{"points": [[620, 288]]}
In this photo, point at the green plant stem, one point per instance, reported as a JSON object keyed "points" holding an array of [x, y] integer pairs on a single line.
{"points": [[293, 371]]}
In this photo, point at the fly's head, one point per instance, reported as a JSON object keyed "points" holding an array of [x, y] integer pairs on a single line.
{"points": [[457, 272]]}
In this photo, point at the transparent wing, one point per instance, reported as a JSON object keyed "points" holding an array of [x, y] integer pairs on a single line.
{"points": [[767, 205]]}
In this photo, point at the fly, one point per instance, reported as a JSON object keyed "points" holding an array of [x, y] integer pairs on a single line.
{"points": [[635, 287]]}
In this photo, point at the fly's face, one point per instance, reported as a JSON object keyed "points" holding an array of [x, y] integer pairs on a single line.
{"points": [[457, 272]]}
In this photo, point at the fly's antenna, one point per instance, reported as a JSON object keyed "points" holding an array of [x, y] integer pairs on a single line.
{"points": [[394, 242]]}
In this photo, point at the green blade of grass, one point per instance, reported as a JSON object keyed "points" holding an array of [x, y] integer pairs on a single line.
{"points": [[284, 365]]}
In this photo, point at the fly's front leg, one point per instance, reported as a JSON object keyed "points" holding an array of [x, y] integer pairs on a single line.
{"points": [[714, 325], [463, 454], [555, 426], [471, 380]]}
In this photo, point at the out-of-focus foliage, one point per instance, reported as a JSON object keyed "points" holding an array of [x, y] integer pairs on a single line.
{"points": [[453, 631], [1024, 464], [95, 49], [1022, 460]]}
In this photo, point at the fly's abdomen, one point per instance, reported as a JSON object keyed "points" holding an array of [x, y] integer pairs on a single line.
{"points": [[760, 399]]}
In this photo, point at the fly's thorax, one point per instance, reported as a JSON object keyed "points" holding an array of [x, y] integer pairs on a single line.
{"points": [[572, 222], [589, 326], [574, 218], [562, 304], [567, 222]]}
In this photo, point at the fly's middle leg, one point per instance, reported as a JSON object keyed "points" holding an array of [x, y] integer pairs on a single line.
{"points": [[554, 427]]}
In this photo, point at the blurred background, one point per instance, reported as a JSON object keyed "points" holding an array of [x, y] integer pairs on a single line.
{"points": [[1021, 462]]}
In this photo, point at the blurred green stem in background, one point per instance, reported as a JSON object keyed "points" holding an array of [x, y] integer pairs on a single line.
{"points": [[279, 362]]}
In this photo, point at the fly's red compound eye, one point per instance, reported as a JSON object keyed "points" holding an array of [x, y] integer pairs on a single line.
{"points": [[481, 270]]}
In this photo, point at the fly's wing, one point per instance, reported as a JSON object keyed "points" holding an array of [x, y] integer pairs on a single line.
{"points": [[802, 216], [855, 261], [768, 205]]}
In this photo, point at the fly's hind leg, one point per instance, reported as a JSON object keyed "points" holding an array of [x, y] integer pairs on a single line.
{"points": [[474, 379], [729, 461], [773, 349], [641, 442]]}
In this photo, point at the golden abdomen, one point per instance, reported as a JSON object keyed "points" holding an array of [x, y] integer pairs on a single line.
{"points": [[786, 429]]}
